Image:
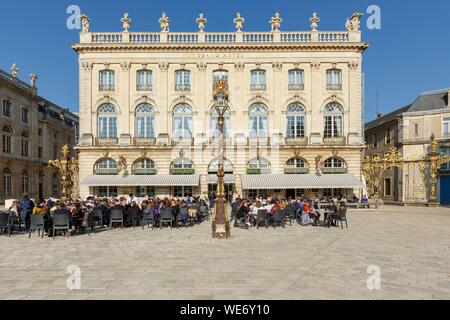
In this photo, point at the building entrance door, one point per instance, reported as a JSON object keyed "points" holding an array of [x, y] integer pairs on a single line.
{"points": [[445, 189]]}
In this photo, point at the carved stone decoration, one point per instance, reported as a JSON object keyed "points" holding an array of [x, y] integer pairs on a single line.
{"points": [[275, 22], [164, 22], [318, 161], [201, 66], [144, 66], [144, 154], [201, 20], [354, 23], [84, 23], [315, 65], [125, 66], [239, 66], [86, 66], [33, 79], [14, 70], [106, 154], [239, 22], [163, 66], [126, 22], [353, 65], [277, 65], [314, 22], [123, 164], [107, 64]]}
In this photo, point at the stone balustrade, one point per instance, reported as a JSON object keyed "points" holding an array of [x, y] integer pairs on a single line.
{"points": [[220, 37]]}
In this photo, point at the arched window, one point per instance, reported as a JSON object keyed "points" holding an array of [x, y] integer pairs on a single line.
{"points": [[25, 182], [296, 166], [213, 167], [182, 166], [220, 75], [334, 165], [258, 166], [333, 121], [6, 139], [107, 80], [7, 183], [145, 121], [182, 121], [215, 125], [106, 166], [258, 80], [144, 166], [182, 80], [107, 121], [258, 116], [144, 80], [24, 144], [296, 121], [296, 79], [334, 79]]}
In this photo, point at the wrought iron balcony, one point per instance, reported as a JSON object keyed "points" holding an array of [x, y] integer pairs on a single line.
{"points": [[336, 87], [176, 171], [259, 170], [258, 87], [106, 141], [144, 171], [144, 87], [334, 141], [261, 141], [334, 170], [297, 141], [107, 171], [144, 141], [183, 88], [294, 170], [183, 141], [297, 87], [106, 87]]}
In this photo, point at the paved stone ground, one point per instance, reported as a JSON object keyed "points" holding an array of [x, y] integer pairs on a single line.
{"points": [[410, 245]]}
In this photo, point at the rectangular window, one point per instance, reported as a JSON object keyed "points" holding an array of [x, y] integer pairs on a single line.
{"points": [[416, 129], [144, 127], [145, 191], [40, 152], [215, 127], [295, 127], [6, 108], [107, 80], [107, 127], [220, 75], [6, 142], [24, 148], [387, 137], [387, 187], [258, 80], [334, 79], [258, 127], [375, 140], [446, 127], [25, 115], [182, 80], [296, 80], [144, 80], [182, 192], [107, 192]]}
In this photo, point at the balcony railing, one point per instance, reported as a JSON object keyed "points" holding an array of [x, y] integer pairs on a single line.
{"points": [[258, 170], [182, 88], [297, 141], [261, 141], [299, 87], [334, 141], [334, 170], [107, 171], [106, 141], [293, 170], [258, 87], [106, 87], [336, 87], [144, 141], [175, 171], [144, 171], [183, 141], [144, 87]]}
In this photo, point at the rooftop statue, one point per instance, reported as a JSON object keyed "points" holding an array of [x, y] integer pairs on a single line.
{"points": [[14, 70], [126, 22], [164, 22], [84, 23], [33, 79], [239, 22], [276, 21], [354, 23], [201, 20], [314, 22]]}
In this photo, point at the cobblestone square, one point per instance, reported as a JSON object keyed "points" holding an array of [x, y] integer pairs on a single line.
{"points": [[409, 245]]}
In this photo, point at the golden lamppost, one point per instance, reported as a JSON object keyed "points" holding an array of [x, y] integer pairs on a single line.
{"points": [[220, 219], [68, 168]]}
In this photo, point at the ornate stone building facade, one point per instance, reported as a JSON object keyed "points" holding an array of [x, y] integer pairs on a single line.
{"points": [[148, 125], [409, 129], [33, 131]]}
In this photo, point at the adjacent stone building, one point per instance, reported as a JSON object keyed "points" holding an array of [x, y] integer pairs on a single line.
{"points": [[33, 131], [147, 123], [409, 129]]}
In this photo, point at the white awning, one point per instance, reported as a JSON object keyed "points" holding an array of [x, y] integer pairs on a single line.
{"points": [[300, 181], [144, 180], [212, 179]]}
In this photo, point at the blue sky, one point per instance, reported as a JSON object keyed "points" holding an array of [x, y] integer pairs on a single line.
{"points": [[409, 55]]}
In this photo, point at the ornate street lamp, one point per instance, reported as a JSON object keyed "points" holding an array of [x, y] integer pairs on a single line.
{"points": [[220, 221]]}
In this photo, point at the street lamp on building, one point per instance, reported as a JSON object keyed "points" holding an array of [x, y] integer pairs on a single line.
{"points": [[220, 221]]}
